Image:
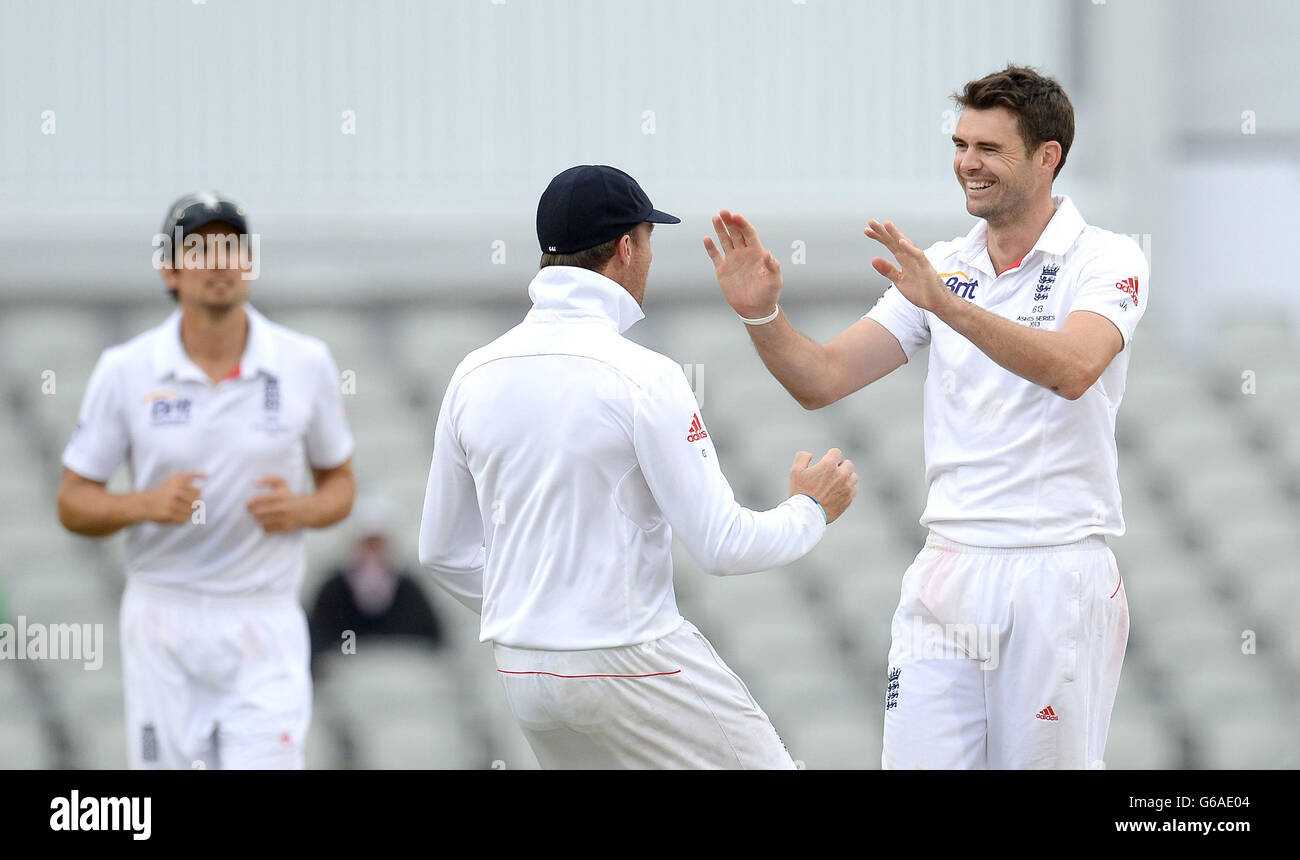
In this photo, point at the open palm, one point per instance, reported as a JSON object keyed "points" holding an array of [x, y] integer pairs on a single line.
{"points": [[749, 275], [914, 275]]}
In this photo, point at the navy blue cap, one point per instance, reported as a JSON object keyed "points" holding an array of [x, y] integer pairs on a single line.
{"points": [[202, 208], [590, 204]]}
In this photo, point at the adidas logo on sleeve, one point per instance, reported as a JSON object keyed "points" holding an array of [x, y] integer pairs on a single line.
{"points": [[697, 431]]}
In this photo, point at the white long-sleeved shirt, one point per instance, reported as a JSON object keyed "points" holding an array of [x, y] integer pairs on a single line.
{"points": [[565, 459]]}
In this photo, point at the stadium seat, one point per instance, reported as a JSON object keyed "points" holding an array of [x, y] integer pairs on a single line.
{"points": [[391, 677], [1184, 435], [1263, 342], [1222, 683], [1246, 741], [23, 744], [800, 686], [1261, 541], [323, 748], [1271, 593], [1195, 633], [432, 342], [834, 738], [1139, 737], [64, 340], [1251, 493], [353, 339], [387, 741], [83, 695], [100, 744], [1153, 398], [138, 318], [61, 593]]}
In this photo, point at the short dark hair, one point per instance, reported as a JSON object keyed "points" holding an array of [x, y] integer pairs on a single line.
{"points": [[1042, 109], [594, 258]]}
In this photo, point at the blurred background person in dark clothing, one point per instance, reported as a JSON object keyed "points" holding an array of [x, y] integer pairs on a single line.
{"points": [[370, 594]]}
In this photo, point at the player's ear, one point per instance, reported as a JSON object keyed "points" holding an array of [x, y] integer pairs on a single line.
{"points": [[1049, 155]]}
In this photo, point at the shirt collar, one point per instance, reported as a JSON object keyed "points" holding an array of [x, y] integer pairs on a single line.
{"points": [[1057, 237], [568, 292], [260, 353]]}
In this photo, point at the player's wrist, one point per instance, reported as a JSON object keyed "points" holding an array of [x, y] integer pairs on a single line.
{"points": [[302, 511], [141, 507], [946, 304], [758, 317], [808, 496]]}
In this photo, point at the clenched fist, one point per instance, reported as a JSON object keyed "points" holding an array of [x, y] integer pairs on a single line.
{"points": [[173, 500], [278, 510], [832, 482]]}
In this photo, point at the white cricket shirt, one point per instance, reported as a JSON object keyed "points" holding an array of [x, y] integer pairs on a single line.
{"points": [[565, 458], [1008, 462], [149, 406]]}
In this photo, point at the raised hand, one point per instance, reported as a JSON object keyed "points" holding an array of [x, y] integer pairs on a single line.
{"points": [[749, 275], [914, 276]]}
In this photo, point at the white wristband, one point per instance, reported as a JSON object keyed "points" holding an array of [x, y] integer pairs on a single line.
{"points": [[762, 321]]}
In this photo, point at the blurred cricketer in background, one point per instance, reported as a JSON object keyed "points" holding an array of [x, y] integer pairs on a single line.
{"points": [[1029, 318], [565, 459], [214, 642]]}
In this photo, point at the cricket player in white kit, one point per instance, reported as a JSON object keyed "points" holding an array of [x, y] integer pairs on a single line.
{"points": [[1029, 319], [217, 412], [565, 459]]}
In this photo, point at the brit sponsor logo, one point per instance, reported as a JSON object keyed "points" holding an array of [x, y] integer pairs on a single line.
{"points": [[960, 283], [170, 411], [168, 407]]}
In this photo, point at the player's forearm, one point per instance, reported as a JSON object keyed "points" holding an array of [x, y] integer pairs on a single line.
{"points": [[331, 501], [1043, 357], [752, 541], [466, 588], [94, 512], [798, 362], [457, 570]]}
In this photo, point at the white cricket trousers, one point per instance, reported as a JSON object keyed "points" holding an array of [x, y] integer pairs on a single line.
{"points": [[1005, 657], [671, 703], [214, 682]]}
